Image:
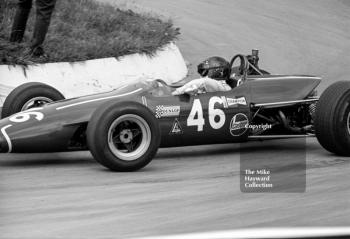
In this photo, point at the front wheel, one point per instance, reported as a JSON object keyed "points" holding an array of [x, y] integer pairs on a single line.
{"points": [[332, 118], [123, 136], [29, 95]]}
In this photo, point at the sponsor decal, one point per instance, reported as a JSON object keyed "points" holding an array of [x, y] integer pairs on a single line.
{"points": [[176, 128], [238, 125], [167, 111], [236, 101]]}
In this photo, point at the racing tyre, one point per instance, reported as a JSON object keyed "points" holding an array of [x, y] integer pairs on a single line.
{"points": [[332, 119], [123, 136], [29, 95]]}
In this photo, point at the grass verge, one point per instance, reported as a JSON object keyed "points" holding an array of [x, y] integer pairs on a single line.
{"points": [[85, 29]]}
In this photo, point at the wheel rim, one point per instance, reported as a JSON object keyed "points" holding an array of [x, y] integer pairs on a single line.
{"points": [[129, 137], [36, 102], [348, 123]]}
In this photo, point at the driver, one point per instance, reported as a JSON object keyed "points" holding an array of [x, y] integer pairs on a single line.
{"points": [[215, 72]]}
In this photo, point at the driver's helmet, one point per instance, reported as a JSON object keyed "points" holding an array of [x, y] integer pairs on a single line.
{"points": [[215, 67]]}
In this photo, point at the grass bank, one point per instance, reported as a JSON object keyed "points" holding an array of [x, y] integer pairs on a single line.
{"points": [[85, 29]]}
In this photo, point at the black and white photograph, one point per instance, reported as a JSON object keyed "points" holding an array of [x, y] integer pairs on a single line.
{"points": [[174, 119]]}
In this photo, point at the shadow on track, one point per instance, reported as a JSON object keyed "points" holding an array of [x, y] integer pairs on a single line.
{"points": [[47, 159], [84, 158], [258, 147]]}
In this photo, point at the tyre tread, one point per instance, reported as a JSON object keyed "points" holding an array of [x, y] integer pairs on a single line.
{"points": [[326, 116]]}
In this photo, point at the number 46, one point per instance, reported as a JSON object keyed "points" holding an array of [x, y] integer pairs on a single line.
{"points": [[196, 115]]}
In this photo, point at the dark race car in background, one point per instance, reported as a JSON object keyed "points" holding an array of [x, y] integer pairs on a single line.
{"points": [[124, 128]]}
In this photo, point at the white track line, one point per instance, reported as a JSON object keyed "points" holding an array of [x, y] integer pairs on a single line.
{"points": [[314, 232]]}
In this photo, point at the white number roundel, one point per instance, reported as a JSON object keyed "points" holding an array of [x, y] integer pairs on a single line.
{"points": [[216, 113], [25, 116]]}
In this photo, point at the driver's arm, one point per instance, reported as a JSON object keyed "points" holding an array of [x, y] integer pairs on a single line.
{"points": [[211, 85], [193, 87], [202, 85]]}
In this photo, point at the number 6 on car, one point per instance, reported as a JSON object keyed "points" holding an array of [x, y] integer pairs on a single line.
{"points": [[216, 113], [25, 116]]}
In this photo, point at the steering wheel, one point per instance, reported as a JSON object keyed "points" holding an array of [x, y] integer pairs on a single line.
{"points": [[240, 72]]}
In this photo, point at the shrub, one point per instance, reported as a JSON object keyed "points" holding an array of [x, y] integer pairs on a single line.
{"points": [[86, 29]]}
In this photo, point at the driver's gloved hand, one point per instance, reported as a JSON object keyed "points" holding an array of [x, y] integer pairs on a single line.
{"points": [[235, 80]]}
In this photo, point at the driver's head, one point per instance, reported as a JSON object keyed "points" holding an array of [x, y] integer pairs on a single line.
{"points": [[215, 67]]}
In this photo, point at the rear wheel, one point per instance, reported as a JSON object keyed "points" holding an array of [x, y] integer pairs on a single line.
{"points": [[123, 136], [332, 119], [29, 95]]}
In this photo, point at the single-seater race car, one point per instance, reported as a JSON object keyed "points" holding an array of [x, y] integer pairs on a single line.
{"points": [[124, 128]]}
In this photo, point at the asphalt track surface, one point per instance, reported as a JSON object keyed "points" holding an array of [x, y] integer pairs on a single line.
{"points": [[196, 189]]}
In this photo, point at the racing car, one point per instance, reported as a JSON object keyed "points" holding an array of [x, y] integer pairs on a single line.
{"points": [[124, 128]]}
